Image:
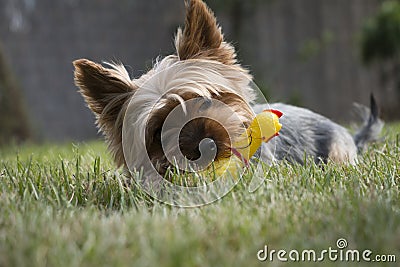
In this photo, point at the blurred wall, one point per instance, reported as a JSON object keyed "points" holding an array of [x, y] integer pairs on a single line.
{"points": [[42, 38], [307, 51], [302, 51]]}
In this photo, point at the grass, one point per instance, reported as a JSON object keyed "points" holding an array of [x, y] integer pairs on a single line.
{"points": [[67, 205]]}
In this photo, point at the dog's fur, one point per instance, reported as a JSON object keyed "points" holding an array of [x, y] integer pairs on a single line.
{"points": [[204, 68]]}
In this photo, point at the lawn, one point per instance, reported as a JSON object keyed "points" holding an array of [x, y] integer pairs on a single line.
{"points": [[67, 205]]}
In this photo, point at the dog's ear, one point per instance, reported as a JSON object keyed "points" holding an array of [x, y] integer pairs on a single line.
{"points": [[202, 37], [107, 92]]}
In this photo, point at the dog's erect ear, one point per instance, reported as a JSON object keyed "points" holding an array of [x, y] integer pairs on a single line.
{"points": [[202, 37], [107, 92], [102, 86]]}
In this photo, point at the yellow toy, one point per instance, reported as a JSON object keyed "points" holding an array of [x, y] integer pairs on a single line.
{"points": [[263, 128]]}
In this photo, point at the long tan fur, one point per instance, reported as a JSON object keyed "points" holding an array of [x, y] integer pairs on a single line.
{"points": [[107, 91]]}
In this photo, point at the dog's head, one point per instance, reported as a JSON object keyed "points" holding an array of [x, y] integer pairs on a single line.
{"points": [[193, 102]]}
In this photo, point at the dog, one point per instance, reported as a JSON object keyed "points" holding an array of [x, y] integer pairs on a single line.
{"points": [[203, 77]]}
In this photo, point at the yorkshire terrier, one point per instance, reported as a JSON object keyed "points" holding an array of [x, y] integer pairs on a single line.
{"points": [[205, 70]]}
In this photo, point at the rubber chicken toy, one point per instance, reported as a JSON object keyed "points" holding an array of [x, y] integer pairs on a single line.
{"points": [[263, 128]]}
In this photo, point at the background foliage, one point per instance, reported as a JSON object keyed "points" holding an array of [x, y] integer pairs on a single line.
{"points": [[14, 123]]}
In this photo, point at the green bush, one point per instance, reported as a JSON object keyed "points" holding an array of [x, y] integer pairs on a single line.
{"points": [[14, 123], [381, 34]]}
